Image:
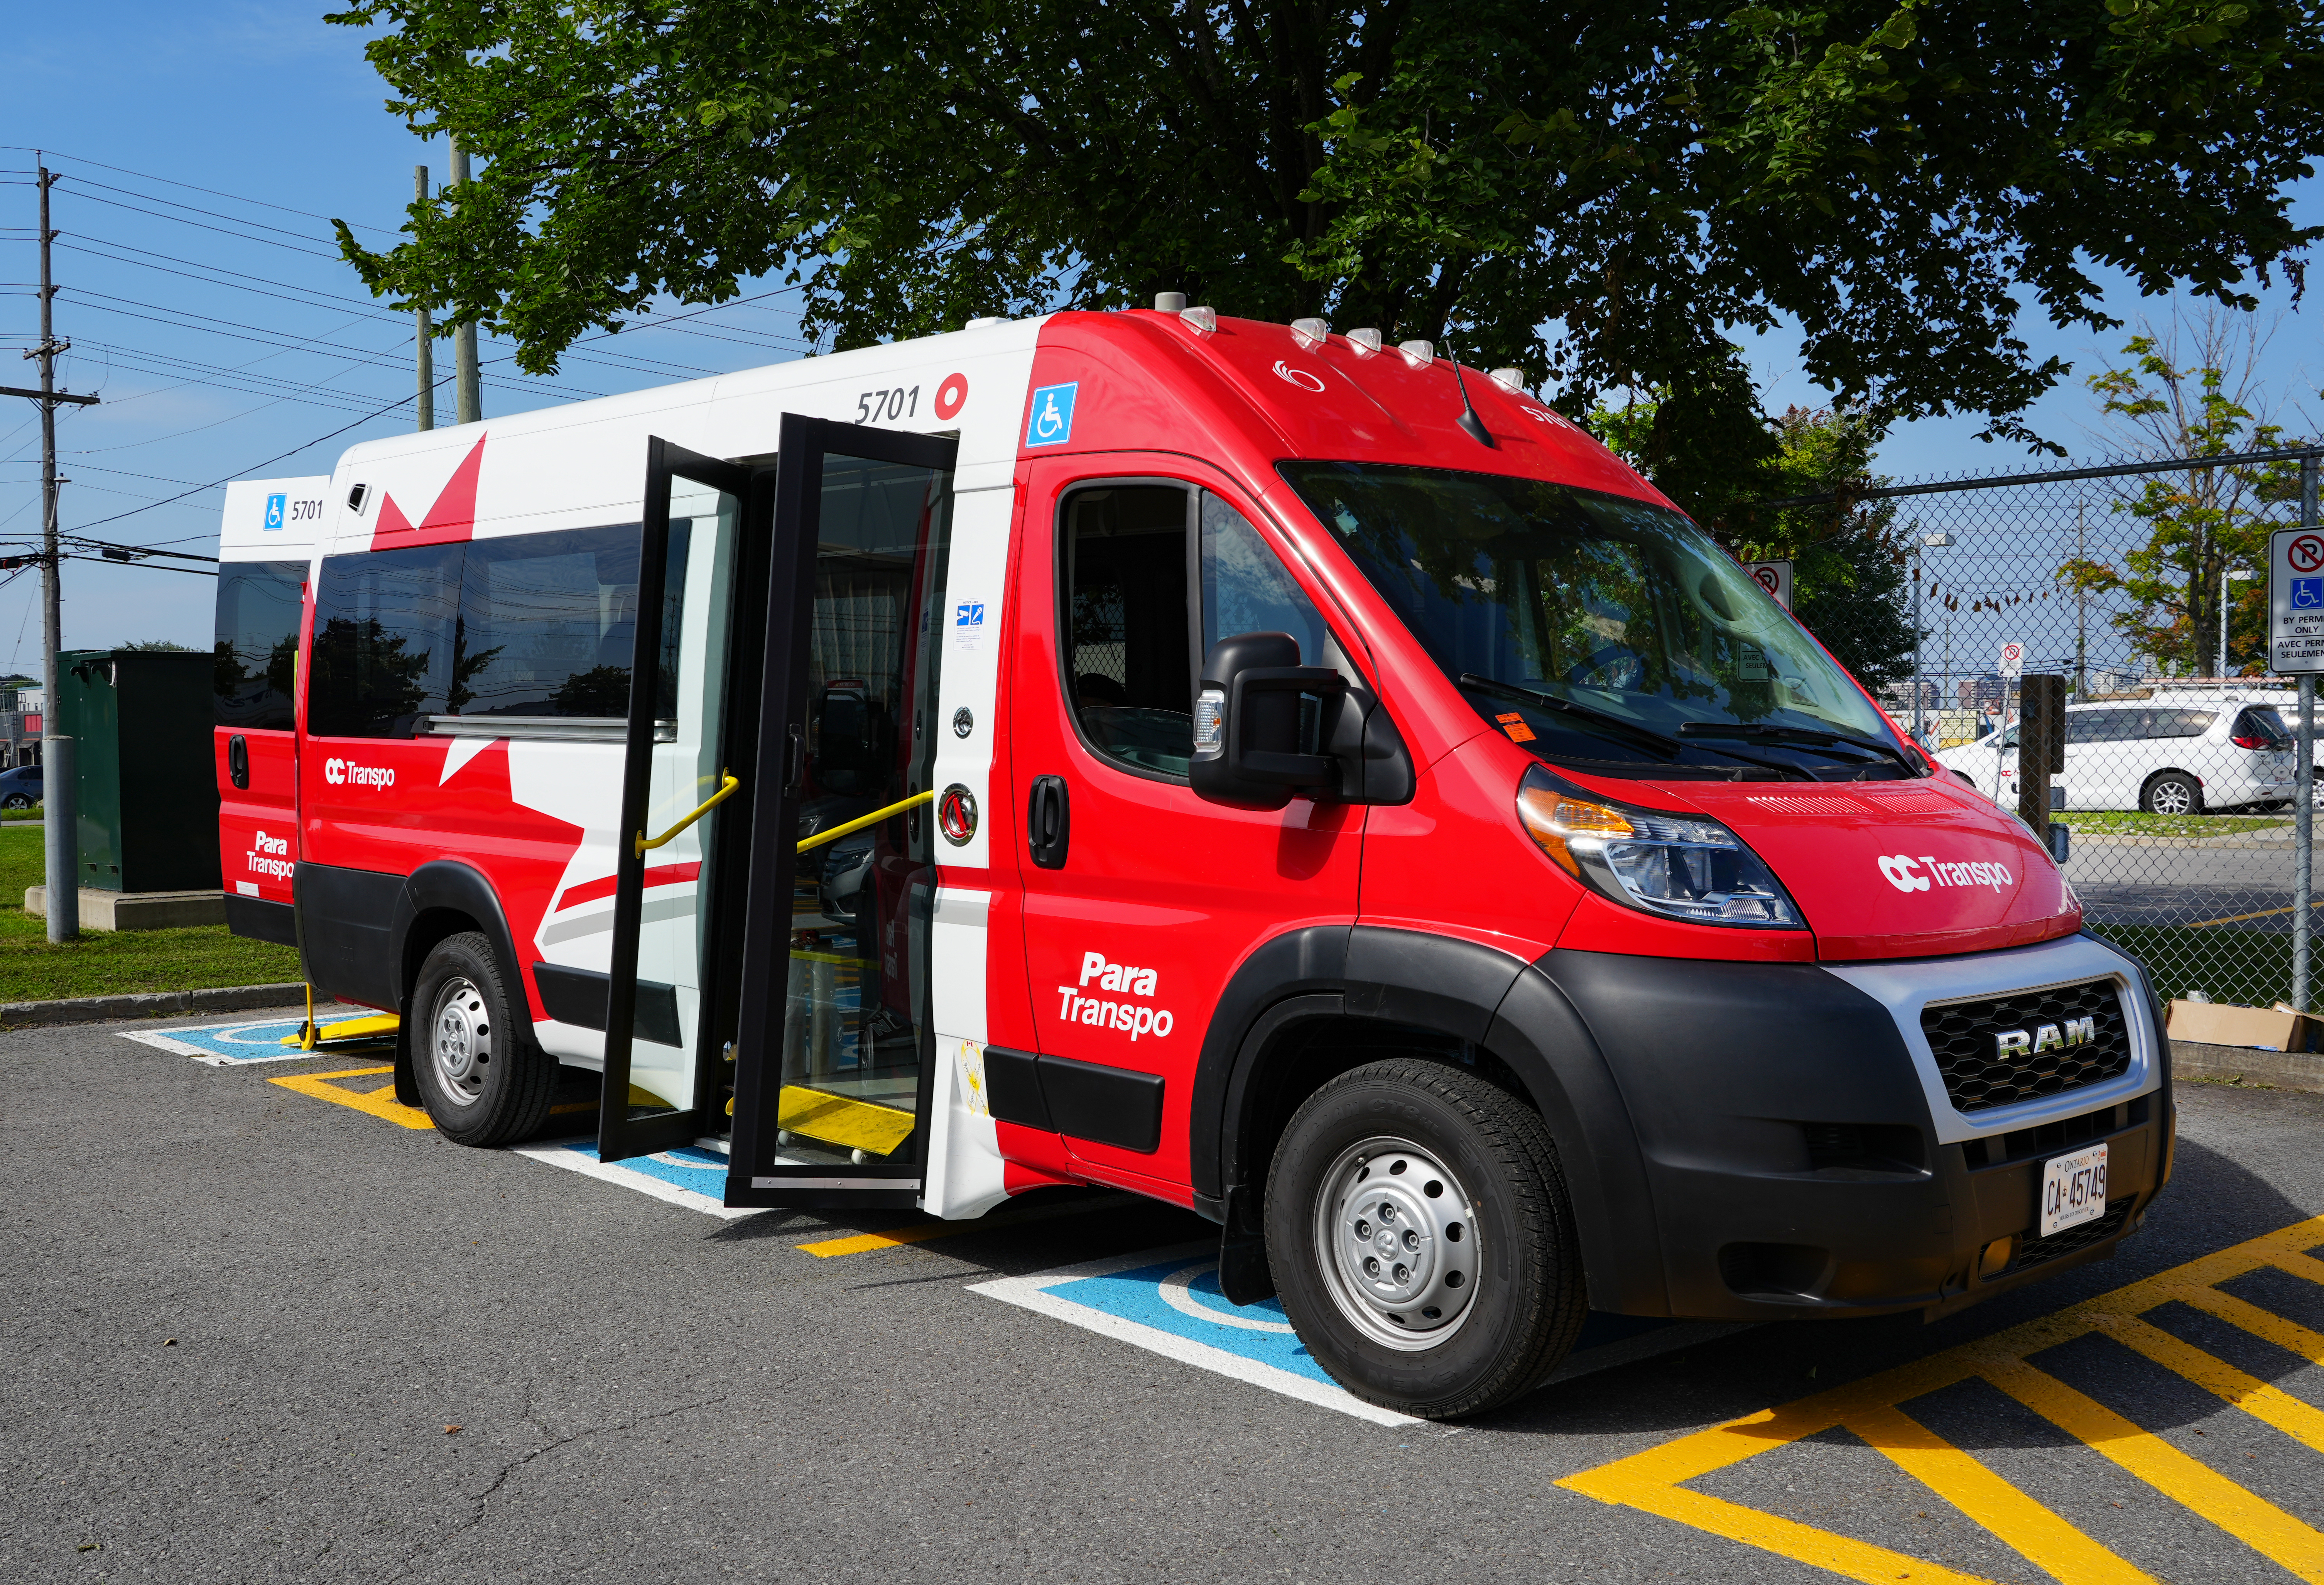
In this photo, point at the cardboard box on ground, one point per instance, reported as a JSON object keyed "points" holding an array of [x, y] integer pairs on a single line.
{"points": [[2267, 1028]]}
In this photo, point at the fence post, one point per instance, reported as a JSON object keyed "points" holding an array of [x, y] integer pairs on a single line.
{"points": [[2041, 748], [2303, 784]]}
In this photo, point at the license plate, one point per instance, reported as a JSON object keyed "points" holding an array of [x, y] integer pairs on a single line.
{"points": [[2073, 1190]]}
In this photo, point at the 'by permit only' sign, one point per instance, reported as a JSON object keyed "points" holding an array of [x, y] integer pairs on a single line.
{"points": [[2295, 587]]}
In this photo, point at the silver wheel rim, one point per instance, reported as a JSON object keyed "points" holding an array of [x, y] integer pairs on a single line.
{"points": [[2170, 797], [460, 1038], [1400, 1262]]}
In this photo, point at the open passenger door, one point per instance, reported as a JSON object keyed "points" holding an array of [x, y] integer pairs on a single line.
{"points": [[800, 980]]}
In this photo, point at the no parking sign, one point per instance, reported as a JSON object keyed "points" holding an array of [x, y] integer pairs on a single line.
{"points": [[2295, 588], [1775, 576]]}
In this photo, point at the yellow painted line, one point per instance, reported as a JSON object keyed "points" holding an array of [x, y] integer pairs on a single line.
{"points": [[2303, 1422], [826, 957], [2047, 1541], [857, 1243], [380, 1102], [2263, 914], [2187, 1480], [1653, 1480], [921, 1232]]}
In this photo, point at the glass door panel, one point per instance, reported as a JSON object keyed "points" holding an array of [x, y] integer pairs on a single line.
{"points": [[829, 1106], [667, 1028]]}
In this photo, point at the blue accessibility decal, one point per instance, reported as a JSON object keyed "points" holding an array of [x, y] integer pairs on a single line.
{"points": [[1051, 422], [1168, 1301], [691, 1176], [274, 508], [225, 1045]]}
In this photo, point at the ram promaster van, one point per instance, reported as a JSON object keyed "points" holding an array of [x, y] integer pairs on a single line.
{"points": [[1279, 774]]}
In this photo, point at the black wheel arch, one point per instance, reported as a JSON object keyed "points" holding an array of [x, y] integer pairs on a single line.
{"points": [[442, 899], [1313, 1002]]}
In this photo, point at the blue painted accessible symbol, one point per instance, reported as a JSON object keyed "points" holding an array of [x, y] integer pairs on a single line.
{"points": [[1052, 423]]}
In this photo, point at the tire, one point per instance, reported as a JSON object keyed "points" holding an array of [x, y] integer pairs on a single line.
{"points": [[2174, 792], [481, 1076], [16, 801], [1492, 1298]]}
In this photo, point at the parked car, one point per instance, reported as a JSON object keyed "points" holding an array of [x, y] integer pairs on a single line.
{"points": [[2173, 754], [20, 788]]}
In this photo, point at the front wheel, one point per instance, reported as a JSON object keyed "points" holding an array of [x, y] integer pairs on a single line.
{"points": [[1420, 1238], [483, 1080], [16, 801]]}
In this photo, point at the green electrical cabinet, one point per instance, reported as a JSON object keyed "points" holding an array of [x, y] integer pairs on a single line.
{"points": [[141, 723]]}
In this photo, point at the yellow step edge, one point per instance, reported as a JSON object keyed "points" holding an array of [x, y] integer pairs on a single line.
{"points": [[352, 1028], [842, 1120]]}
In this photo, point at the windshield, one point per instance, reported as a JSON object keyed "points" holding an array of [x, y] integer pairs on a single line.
{"points": [[1593, 628]]}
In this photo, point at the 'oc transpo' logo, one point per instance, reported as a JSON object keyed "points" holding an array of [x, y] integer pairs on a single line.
{"points": [[1907, 874], [340, 772]]}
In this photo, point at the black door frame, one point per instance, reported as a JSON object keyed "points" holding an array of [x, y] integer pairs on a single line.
{"points": [[752, 1177]]}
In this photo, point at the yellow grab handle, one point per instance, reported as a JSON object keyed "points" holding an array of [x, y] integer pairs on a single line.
{"points": [[873, 818], [708, 804]]}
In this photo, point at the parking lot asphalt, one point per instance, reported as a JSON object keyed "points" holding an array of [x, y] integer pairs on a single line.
{"points": [[257, 1334]]}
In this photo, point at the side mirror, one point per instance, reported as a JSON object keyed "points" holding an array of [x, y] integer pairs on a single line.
{"points": [[1247, 723]]}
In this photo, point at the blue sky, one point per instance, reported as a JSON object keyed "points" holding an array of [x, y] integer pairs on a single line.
{"points": [[221, 331]]}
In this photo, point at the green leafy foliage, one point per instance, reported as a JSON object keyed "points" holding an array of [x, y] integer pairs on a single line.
{"points": [[1849, 561], [2201, 524], [1894, 178]]}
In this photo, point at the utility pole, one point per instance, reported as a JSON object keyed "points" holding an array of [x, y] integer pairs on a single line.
{"points": [[427, 331], [61, 851], [471, 397]]}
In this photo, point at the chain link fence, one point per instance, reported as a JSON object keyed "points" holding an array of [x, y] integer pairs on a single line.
{"points": [[2145, 586]]}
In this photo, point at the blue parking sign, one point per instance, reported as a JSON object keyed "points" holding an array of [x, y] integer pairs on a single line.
{"points": [[2308, 594], [275, 509], [1051, 420]]}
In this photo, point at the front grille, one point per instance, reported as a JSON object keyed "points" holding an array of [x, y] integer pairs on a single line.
{"points": [[1982, 1072], [2073, 1240]]}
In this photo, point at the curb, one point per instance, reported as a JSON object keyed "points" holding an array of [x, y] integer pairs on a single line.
{"points": [[148, 1004], [2247, 1064]]}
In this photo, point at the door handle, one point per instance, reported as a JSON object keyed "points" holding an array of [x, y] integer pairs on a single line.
{"points": [[1048, 822], [237, 762]]}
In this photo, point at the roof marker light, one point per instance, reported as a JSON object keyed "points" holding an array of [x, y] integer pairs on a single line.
{"points": [[1200, 321], [983, 322], [1508, 379], [1311, 332], [1418, 353], [1366, 342]]}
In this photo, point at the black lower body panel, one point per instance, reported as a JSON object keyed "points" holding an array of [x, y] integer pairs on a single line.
{"points": [[256, 920], [1791, 1160], [346, 934]]}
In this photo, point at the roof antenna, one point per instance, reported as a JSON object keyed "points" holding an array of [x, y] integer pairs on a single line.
{"points": [[1468, 419]]}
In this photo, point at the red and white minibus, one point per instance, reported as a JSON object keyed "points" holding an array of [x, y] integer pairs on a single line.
{"points": [[1278, 773]]}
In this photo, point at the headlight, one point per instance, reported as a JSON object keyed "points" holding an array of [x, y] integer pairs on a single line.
{"points": [[1679, 866]]}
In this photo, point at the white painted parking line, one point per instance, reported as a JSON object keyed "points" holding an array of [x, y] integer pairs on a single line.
{"points": [[1168, 1301], [228, 1045], [693, 1175]]}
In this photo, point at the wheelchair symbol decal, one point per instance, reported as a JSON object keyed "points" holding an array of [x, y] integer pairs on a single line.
{"points": [[2308, 594], [1052, 423]]}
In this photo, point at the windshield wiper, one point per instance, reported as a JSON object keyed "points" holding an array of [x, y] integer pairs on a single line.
{"points": [[1644, 735], [1807, 737]]}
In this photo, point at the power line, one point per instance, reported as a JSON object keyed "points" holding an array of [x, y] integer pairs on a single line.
{"points": [[181, 219], [189, 187]]}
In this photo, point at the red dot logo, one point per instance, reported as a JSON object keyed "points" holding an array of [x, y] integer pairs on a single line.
{"points": [[952, 396]]}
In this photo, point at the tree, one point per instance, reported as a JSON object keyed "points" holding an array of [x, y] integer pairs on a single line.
{"points": [[2201, 523], [1602, 191], [159, 644], [1848, 568]]}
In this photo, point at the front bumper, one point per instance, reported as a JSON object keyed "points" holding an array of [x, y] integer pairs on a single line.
{"points": [[1801, 1151]]}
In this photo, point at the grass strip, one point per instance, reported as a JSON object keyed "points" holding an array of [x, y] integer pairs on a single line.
{"points": [[115, 963]]}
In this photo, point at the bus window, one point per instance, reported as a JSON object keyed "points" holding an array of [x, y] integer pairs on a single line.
{"points": [[387, 641], [549, 624], [258, 611]]}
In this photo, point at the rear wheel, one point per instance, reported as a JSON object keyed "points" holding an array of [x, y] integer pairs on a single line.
{"points": [[2174, 792], [483, 1080], [1419, 1236]]}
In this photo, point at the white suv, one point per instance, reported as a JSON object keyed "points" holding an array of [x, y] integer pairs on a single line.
{"points": [[2173, 754]]}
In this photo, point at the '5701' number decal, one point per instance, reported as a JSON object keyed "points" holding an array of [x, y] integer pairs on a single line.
{"points": [[873, 407]]}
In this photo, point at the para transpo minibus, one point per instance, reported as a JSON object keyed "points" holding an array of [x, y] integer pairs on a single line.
{"points": [[1277, 773]]}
